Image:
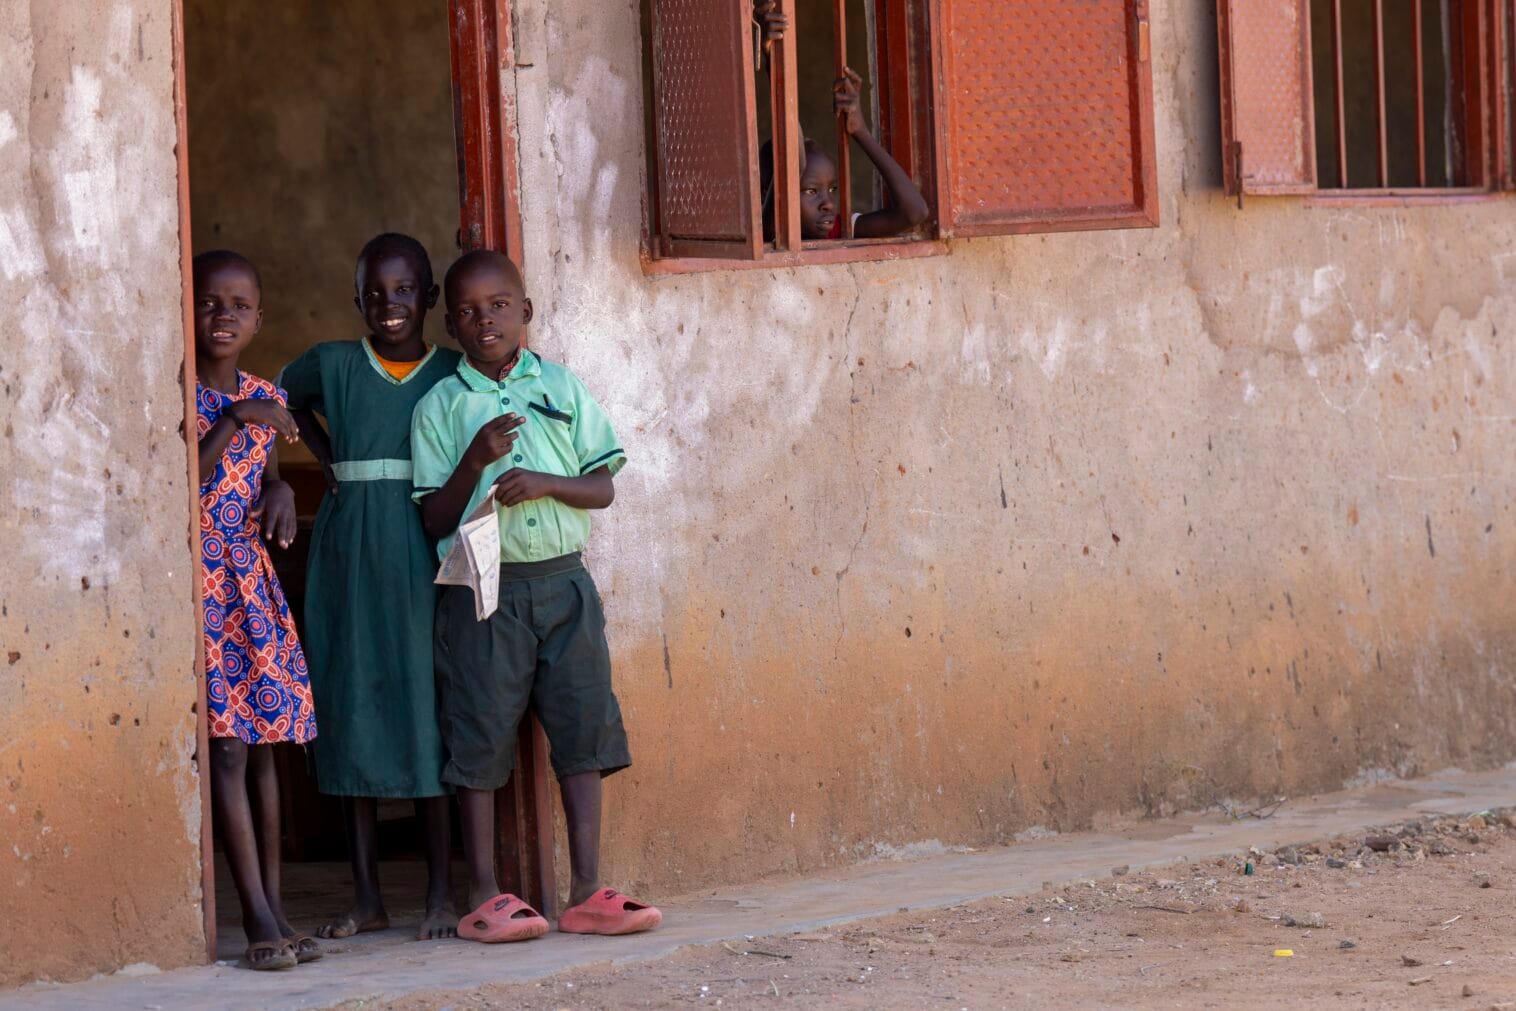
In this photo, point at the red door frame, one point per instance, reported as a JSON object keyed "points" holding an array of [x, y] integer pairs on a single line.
{"points": [[192, 464], [489, 200], [490, 216]]}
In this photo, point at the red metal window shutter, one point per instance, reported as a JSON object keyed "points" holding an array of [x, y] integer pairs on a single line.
{"points": [[1268, 138], [705, 124], [1047, 116]]}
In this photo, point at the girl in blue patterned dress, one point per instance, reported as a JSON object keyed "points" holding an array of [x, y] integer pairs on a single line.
{"points": [[257, 687]]}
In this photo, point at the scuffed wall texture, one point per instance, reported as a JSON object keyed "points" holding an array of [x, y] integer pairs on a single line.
{"points": [[99, 801], [314, 127], [1046, 531]]}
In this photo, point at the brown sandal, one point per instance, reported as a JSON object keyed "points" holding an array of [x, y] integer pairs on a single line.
{"points": [[283, 957], [305, 947]]}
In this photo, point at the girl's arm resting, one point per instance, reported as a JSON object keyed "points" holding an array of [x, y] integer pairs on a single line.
{"points": [[213, 444], [278, 505], [909, 208], [315, 436], [319, 442]]}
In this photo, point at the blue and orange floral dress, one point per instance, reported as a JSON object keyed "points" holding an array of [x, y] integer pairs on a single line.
{"points": [[258, 689]]}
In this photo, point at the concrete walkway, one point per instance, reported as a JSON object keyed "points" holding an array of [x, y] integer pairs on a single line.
{"points": [[382, 968]]}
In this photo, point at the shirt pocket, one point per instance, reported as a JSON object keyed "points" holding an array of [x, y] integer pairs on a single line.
{"points": [[548, 412]]}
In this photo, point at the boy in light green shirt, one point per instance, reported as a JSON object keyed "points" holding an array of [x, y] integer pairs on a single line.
{"points": [[529, 433]]}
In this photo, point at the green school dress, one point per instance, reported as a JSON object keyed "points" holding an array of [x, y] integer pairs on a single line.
{"points": [[369, 591]]}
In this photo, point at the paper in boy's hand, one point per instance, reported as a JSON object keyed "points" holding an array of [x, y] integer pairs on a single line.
{"points": [[474, 559]]}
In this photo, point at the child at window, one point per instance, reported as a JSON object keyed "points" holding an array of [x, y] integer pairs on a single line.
{"points": [[819, 211], [257, 688], [370, 598], [526, 432]]}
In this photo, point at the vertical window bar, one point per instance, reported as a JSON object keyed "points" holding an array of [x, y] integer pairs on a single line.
{"points": [[1384, 141], [788, 141], [1342, 113], [1421, 118], [844, 141]]}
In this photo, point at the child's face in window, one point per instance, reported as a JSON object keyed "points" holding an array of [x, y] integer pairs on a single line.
{"points": [[487, 310], [393, 297], [818, 197], [228, 310]]}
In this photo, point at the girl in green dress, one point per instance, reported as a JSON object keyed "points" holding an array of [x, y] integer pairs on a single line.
{"points": [[369, 595]]}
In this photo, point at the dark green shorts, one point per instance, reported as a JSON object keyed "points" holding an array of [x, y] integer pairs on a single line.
{"points": [[544, 648]]}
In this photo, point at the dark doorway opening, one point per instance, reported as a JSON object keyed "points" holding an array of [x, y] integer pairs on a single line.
{"points": [[311, 128]]}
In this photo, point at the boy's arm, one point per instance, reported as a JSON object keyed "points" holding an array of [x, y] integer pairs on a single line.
{"points": [[594, 490], [442, 509], [910, 207]]}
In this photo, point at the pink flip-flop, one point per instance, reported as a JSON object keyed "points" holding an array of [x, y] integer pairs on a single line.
{"points": [[609, 912], [503, 918]]}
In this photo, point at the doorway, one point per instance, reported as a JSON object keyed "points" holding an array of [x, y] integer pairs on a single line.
{"points": [[311, 128]]}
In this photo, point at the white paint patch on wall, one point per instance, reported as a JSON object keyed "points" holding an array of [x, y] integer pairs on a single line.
{"points": [[20, 246], [99, 170]]}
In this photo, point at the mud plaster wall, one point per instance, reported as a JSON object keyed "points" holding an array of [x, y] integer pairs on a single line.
{"points": [[99, 803], [1045, 532]]}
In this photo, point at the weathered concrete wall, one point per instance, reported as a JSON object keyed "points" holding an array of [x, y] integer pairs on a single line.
{"points": [[312, 128], [1042, 532], [1045, 531], [99, 801]]}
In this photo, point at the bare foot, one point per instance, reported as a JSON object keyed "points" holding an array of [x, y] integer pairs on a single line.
{"points": [[354, 921], [440, 922]]}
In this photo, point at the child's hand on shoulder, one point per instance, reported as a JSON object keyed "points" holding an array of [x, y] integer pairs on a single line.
{"points": [[516, 486], [259, 411], [275, 513], [493, 440]]}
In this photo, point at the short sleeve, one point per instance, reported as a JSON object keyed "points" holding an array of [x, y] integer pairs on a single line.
{"points": [[433, 455], [595, 440], [301, 380]]}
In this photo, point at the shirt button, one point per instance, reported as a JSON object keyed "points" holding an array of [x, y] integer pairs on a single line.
{"points": [[518, 457], [531, 521]]}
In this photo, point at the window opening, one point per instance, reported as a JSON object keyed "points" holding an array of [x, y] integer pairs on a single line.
{"points": [[1397, 94], [993, 118], [833, 46]]}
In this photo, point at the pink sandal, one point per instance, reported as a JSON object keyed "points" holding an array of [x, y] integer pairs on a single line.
{"points": [[503, 918], [609, 912]]}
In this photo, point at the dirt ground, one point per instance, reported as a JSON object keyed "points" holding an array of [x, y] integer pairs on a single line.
{"points": [[1416, 915]]}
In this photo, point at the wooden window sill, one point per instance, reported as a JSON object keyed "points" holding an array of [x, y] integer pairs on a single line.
{"points": [[854, 251]]}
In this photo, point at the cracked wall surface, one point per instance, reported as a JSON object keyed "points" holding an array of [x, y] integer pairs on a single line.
{"points": [[99, 801], [1045, 532]]}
